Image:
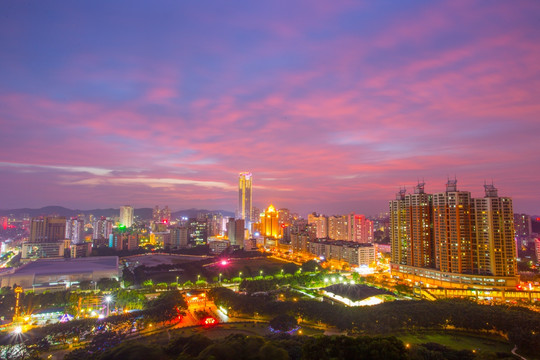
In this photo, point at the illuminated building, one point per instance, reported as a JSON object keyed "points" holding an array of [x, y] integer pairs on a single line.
{"points": [[494, 251], [75, 230], [59, 274], [450, 239], [269, 223], [300, 241], [217, 246], [47, 229], [102, 228], [411, 222], [236, 232], [453, 230], [537, 248], [523, 226], [321, 224], [178, 238], [198, 231], [360, 229], [337, 227], [46, 240], [126, 215], [80, 250], [349, 252], [124, 241], [33, 251], [245, 206], [161, 215]]}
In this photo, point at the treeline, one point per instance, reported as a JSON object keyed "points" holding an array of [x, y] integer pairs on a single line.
{"points": [[522, 326], [273, 282], [280, 347]]}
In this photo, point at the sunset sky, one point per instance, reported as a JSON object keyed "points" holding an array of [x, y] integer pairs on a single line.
{"points": [[332, 105]]}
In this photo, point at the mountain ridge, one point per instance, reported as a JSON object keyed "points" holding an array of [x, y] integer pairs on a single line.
{"points": [[144, 213]]}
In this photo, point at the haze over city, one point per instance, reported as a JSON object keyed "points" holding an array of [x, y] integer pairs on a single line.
{"points": [[332, 106]]}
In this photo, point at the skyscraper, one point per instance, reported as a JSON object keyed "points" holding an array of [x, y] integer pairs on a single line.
{"points": [[245, 206], [452, 238], [453, 230], [494, 251], [411, 224], [126, 215]]}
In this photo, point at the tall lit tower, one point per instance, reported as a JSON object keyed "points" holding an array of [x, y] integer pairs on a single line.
{"points": [[126, 215], [245, 197]]}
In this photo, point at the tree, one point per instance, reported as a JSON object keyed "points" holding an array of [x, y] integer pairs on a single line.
{"points": [[283, 323], [310, 266], [134, 351], [166, 307]]}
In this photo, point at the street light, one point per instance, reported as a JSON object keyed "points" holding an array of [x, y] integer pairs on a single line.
{"points": [[198, 277], [260, 272], [108, 300], [240, 274], [219, 277]]}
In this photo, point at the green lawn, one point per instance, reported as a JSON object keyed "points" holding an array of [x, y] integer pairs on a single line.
{"points": [[456, 341]]}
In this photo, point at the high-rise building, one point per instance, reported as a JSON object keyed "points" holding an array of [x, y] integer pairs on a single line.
{"points": [[337, 227], [75, 230], [161, 215], [47, 229], [411, 222], [245, 206], [198, 231], [126, 215], [453, 230], [102, 228], [362, 229], [269, 223], [451, 238], [523, 226], [236, 232], [179, 237], [321, 224], [494, 250]]}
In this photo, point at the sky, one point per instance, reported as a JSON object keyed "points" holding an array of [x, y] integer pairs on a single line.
{"points": [[332, 105]]}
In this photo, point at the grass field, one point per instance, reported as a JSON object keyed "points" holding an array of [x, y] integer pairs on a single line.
{"points": [[456, 341]]}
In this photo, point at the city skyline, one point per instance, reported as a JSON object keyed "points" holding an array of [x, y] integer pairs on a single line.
{"points": [[332, 107]]}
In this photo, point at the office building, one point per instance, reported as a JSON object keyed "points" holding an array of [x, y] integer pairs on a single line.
{"points": [[126, 216], [245, 206]]}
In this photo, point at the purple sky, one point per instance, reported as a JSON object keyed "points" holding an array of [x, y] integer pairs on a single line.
{"points": [[333, 105]]}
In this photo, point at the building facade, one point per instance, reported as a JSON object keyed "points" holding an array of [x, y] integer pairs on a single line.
{"points": [[126, 215], [449, 236], [245, 205]]}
